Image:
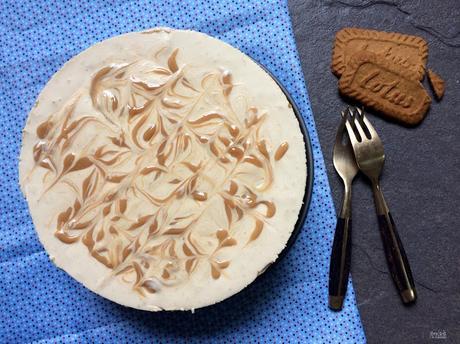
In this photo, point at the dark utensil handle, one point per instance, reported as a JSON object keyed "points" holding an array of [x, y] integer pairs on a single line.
{"points": [[397, 259], [339, 267]]}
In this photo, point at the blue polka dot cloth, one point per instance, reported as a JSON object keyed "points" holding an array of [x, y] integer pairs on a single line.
{"points": [[40, 303]]}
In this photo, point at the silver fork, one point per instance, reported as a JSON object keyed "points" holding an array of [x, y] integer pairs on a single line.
{"points": [[339, 268], [369, 154]]}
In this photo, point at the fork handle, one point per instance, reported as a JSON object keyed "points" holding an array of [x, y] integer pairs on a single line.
{"points": [[394, 250], [339, 267]]}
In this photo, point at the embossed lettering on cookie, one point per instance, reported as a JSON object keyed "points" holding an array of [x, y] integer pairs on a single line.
{"points": [[385, 88], [163, 169]]}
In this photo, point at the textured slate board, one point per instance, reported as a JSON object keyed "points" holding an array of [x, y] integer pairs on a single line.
{"points": [[421, 174]]}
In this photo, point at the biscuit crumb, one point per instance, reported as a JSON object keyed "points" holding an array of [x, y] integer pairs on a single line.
{"points": [[437, 84]]}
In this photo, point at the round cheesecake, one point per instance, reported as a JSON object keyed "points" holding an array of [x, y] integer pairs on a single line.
{"points": [[164, 169]]}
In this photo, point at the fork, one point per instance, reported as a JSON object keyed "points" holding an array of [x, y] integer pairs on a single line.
{"points": [[369, 155], [345, 165]]}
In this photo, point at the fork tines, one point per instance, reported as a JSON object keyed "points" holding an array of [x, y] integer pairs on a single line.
{"points": [[360, 125]]}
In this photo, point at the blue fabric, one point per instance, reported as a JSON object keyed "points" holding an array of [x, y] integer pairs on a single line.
{"points": [[40, 303]]}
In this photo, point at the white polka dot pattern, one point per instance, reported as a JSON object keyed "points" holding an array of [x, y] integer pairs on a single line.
{"points": [[41, 303]]}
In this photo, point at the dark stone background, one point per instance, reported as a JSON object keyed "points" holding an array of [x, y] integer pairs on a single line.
{"points": [[421, 178]]}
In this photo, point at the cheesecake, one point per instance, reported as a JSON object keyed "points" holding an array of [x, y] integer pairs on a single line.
{"points": [[163, 169]]}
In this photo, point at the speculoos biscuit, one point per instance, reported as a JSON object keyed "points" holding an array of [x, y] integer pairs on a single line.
{"points": [[385, 87], [410, 52]]}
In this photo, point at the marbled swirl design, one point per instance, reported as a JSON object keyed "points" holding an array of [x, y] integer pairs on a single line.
{"points": [[173, 140]]}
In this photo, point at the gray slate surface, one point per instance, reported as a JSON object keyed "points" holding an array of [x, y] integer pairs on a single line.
{"points": [[421, 178]]}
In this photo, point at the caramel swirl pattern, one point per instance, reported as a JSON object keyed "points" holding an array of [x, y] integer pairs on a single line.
{"points": [[181, 146]]}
